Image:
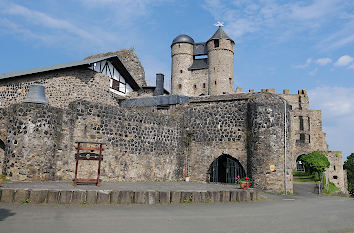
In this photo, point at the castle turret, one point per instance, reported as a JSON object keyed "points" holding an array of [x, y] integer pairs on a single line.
{"points": [[182, 59], [221, 63]]}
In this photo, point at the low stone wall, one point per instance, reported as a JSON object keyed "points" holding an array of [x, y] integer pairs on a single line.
{"points": [[116, 197]]}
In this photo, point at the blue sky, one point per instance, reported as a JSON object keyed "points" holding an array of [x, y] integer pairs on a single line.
{"points": [[279, 44]]}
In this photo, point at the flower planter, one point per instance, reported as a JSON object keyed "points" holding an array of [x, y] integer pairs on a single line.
{"points": [[244, 185], [187, 178]]}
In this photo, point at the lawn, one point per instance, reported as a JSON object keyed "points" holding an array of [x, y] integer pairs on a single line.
{"points": [[304, 178]]}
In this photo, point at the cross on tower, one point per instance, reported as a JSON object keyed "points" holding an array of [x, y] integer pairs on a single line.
{"points": [[219, 24]]}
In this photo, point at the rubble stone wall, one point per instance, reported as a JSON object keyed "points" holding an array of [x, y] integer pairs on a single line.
{"points": [[267, 143], [140, 145], [215, 128], [33, 134], [335, 171], [61, 87]]}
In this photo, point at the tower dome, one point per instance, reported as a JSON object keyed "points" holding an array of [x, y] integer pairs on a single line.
{"points": [[183, 39]]}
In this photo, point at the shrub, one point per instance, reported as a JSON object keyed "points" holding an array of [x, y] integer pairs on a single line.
{"points": [[315, 162]]}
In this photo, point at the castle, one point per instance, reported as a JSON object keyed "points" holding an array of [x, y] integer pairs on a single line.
{"points": [[203, 126]]}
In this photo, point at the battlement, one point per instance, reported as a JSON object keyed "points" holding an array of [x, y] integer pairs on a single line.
{"points": [[272, 90]]}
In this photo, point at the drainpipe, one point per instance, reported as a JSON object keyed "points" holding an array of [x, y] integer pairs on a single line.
{"points": [[285, 126]]}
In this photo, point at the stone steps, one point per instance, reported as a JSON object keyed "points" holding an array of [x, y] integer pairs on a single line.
{"points": [[116, 197]]}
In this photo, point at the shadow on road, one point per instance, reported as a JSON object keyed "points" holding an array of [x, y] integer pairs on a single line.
{"points": [[5, 213]]}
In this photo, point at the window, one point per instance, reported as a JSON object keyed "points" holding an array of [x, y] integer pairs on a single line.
{"points": [[181, 71], [334, 167], [302, 137], [216, 43], [179, 86], [308, 121], [203, 85], [335, 177], [230, 80], [195, 86], [301, 120], [215, 82]]}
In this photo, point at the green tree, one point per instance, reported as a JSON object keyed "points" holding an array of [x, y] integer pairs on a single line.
{"points": [[349, 166], [315, 162]]}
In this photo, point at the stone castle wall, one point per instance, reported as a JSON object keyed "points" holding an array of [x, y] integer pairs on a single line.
{"points": [[33, 134], [141, 145], [200, 84], [62, 87], [268, 146], [335, 171], [215, 128], [147, 144]]}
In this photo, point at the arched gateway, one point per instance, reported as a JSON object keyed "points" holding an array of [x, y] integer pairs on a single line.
{"points": [[225, 169]]}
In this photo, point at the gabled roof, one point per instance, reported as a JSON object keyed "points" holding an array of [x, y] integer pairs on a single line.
{"points": [[84, 63], [220, 34]]}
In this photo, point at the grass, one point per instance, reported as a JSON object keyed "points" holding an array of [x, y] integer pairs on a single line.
{"points": [[331, 188], [308, 178]]}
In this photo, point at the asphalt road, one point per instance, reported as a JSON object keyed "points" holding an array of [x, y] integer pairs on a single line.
{"points": [[282, 214]]}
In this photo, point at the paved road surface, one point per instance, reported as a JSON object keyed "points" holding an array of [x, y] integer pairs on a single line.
{"points": [[279, 214]]}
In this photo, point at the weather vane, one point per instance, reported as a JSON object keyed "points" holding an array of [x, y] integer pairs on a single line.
{"points": [[219, 24]]}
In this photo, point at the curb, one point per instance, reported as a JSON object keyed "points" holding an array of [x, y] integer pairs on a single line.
{"points": [[120, 197]]}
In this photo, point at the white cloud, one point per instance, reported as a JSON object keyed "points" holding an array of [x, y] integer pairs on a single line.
{"points": [[315, 10], [44, 29], [344, 60], [337, 105], [323, 61], [42, 19], [351, 66], [307, 63], [123, 12], [289, 17]]}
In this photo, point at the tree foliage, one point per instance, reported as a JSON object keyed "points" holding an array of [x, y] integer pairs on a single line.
{"points": [[315, 162], [349, 166]]}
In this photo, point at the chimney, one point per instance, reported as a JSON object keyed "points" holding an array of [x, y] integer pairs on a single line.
{"points": [[159, 84]]}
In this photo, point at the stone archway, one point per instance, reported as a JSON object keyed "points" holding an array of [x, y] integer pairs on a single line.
{"points": [[225, 169], [299, 166]]}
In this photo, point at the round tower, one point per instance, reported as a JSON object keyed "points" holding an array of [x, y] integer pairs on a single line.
{"points": [[182, 59], [220, 49]]}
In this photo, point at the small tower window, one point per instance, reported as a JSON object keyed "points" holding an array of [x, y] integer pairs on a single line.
{"points": [[215, 82], [181, 71], [179, 86], [216, 43], [334, 167], [335, 177], [195, 86], [302, 137], [301, 119], [203, 85], [230, 80]]}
